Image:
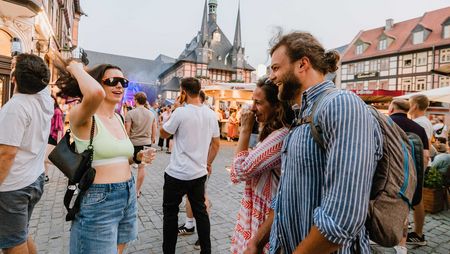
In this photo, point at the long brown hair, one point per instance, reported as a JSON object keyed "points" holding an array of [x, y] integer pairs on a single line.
{"points": [[283, 113]]}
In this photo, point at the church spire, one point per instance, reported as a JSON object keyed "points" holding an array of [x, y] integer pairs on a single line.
{"points": [[204, 30], [237, 34]]}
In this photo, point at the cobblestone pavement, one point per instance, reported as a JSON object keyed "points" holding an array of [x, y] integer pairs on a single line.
{"points": [[51, 231]]}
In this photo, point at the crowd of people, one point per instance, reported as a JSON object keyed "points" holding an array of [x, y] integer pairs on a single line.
{"points": [[299, 196]]}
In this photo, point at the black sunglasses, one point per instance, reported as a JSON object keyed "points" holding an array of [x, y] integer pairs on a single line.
{"points": [[114, 80]]}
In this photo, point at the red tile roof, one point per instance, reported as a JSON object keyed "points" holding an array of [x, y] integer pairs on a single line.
{"points": [[401, 32]]}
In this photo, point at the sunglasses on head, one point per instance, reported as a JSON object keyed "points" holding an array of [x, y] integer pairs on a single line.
{"points": [[114, 80]]}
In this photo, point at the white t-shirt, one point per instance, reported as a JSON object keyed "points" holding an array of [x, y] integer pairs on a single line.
{"points": [[426, 124], [25, 124], [193, 128]]}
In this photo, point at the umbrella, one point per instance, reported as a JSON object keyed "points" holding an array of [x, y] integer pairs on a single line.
{"points": [[439, 94]]}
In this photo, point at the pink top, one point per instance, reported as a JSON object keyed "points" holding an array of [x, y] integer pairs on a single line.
{"points": [[57, 123], [257, 168]]}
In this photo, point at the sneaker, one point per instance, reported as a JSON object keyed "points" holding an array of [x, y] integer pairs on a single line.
{"points": [[197, 244], [400, 249], [186, 231], [415, 239]]}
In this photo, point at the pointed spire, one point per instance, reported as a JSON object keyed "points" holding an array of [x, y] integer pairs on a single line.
{"points": [[204, 30], [237, 34]]}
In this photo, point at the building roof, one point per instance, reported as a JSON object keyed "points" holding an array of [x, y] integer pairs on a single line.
{"points": [[401, 33], [172, 85], [137, 70]]}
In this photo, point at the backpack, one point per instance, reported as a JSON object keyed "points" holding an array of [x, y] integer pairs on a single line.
{"points": [[394, 180]]}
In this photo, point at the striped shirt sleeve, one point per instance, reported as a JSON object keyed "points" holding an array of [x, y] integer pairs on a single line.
{"points": [[265, 156], [348, 129]]}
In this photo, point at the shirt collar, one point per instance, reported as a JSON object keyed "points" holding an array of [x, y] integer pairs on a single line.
{"points": [[310, 95]]}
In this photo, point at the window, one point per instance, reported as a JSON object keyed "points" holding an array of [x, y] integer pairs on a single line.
{"points": [[359, 67], [421, 58], [418, 37], [373, 65], [216, 36], [445, 55], [407, 61], [406, 84], [420, 83], [382, 45], [444, 81], [351, 69], [384, 64], [446, 33], [359, 49]]}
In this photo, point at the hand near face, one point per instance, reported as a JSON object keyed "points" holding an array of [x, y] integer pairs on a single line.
{"points": [[247, 120]]}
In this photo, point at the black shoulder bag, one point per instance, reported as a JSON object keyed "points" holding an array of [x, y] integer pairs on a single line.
{"points": [[77, 167]]}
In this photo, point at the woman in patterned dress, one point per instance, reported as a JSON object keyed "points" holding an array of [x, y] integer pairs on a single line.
{"points": [[259, 168]]}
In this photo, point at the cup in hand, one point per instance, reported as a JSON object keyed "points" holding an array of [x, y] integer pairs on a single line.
{"points": [[148, 154]]}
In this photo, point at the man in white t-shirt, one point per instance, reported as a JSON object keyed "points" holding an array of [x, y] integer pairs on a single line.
{"points": [[418, 107], [25, 127], [196, 143]]}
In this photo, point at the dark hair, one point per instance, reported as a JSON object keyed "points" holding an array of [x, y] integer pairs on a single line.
{"points": [[191, 86], [302, 44], [202, 96], [31, 74], [421, 101], [69, 86], [283, 113], [140, 98]]}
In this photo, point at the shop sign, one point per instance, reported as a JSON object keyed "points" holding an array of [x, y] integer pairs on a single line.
{"points": [[366, 75]]}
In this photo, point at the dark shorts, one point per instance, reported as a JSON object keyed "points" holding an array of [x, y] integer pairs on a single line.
{"points": [[16, 208], [52, 141], [137, 149], [418, 193]]}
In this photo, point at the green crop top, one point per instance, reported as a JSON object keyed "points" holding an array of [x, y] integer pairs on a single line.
{"points": [[107, 148]]}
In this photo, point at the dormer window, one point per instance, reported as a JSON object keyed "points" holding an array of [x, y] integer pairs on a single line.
{"points": [[446, 33], [418, 37], [382, 44], [359, 49], [420, 34]]}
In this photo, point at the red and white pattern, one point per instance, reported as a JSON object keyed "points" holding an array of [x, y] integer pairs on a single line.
{"points": [[256, 168]]}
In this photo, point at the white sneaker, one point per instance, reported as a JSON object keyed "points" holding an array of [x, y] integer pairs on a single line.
{"points": [[400, 249]]}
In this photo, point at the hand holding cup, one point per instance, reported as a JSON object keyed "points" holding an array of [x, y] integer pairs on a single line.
{"points": [[148, 154]]}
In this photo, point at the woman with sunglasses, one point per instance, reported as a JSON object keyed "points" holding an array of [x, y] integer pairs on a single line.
{"points": [[259, 168], [107, 219]]}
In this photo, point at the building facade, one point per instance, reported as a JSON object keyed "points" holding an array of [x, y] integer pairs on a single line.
{"points": [[39, 27], [209, 56], [398, 58]]}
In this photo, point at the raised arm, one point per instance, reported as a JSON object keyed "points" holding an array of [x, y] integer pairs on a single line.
{"points": [[93, 95]]}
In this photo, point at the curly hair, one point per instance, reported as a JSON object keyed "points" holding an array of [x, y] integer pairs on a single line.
{"points": [[69, 86], [283, 113]]}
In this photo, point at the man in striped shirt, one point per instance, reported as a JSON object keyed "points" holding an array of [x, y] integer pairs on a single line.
{"points": [[323, 196]]}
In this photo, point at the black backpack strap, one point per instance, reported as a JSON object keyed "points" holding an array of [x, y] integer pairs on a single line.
{"points": [[71, 186]]}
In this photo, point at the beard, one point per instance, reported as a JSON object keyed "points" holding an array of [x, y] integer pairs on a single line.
{"points": [[289, 88]]}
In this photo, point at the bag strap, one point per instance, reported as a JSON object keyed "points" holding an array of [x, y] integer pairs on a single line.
{"points": [[71, 186], [311, 119]]}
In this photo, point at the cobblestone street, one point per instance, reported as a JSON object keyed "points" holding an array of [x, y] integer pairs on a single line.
{"points": [[51, 232]]}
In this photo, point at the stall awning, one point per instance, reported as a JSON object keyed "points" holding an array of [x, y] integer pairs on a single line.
{"points": [[442, 70], [380, 95]]}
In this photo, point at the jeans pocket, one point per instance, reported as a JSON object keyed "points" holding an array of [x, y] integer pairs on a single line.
{"points": [[93, 198]]}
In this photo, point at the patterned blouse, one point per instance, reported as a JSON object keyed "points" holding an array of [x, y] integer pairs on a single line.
{"points": [[260, 170]]}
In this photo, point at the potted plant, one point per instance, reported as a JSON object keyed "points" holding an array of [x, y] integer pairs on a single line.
{"points": [[433, 191]]}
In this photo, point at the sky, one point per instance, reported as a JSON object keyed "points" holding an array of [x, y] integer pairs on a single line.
{"points": [[147, 28]]}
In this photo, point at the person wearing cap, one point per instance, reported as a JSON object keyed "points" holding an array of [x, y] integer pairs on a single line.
{"points": [[25, 124]]}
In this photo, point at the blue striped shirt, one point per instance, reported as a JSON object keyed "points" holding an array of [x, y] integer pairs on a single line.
{"points": [[329, 189]]}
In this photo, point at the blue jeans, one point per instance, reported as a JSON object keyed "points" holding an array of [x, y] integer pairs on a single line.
{"points": [[107, 217]]}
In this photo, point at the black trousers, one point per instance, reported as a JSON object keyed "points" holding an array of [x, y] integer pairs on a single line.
{"points": [[174, 190]]}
